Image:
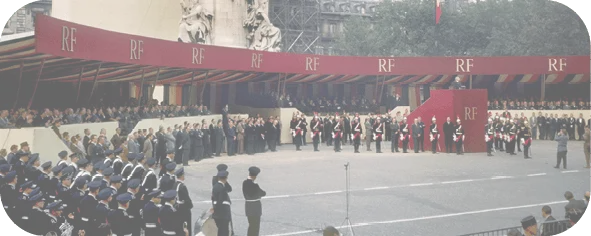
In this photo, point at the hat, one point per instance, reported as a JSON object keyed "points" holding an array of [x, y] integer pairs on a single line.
{"points": [[140, 157], [131, 156], [222, 173], [37, 197], [24, 144], [67, 170], [124, 198], [433, 118], [108, 152], [10, 176], [33, 158], [104, 194], [156, 193], [151, 161], [20, 154], [108, 171], [26, 185], [57, 205], [170, 152], [94, 185], [528, 221], [80, 182], [5, 168], [133, 184], [458, 120], [73, 155], [221, 167], [169, 195], [254, 171], [63, 154], [490, 120], [116, 179], [97, 166], [170, 166], [82, 162], [180, 172], [118, 151], [57, 169], [46, 165]]}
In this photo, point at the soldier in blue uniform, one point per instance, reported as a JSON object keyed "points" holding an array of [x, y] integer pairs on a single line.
{"points": [[10, 195], [119, 218], [138, 169], [55, 214], [107, 173], [44, 182], [117, 165], [128, 168], [4, 169], [98, 171], [102, 210], [169, 158], [167, 180], [54, 182], [63, 193], [150, 181], [22, 204], [35, 221], [31, 170], [20, 166], [169, 217], [76, 194], [87, 208], [253, 207], [150, 213], [185, 204], [83, 170], [114, 187], [134, 207], [221, 205]]}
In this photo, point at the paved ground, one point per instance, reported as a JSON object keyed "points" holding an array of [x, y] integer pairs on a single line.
{"points": [[396, 194]]}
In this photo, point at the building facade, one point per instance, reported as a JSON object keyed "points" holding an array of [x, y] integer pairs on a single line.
{"points": [[23, 20]]}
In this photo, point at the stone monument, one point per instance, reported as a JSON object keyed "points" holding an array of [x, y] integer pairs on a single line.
{"points": [[196, 23], [262, 35]]}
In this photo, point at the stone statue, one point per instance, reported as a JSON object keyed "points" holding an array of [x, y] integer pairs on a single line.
{"points": [[262, 34], [196, 23]]}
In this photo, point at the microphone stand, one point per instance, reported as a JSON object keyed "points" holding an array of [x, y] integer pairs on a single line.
{"points": [[347, 221]]}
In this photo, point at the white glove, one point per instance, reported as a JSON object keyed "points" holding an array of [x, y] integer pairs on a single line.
{"points": [[312, 135], [401, 137], [431, 137], [486, 138], [351, 136], [463, 137], [523, 141]]}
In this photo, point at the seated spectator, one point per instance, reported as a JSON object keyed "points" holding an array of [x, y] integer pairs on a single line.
{"points": [[550, 225], [574, 208]]}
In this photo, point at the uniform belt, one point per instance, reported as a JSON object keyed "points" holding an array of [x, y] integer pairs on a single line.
{"points": [[180, 202], [52, 197], [224, 202], [5, 207], [169, 232], [150, 225], [255, 200], [25, 217], [84, 219], [131, 217]]}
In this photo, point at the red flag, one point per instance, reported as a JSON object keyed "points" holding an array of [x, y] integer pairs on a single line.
{"points": [[437, 11]]}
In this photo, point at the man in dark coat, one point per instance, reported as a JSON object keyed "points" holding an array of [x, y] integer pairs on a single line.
{"points": [[448, 132], [231, 138], [253, 207], [207, 151], [161, 146], [186, 146], [178, 154], [219, 139], [221, 205], [270, 134]]}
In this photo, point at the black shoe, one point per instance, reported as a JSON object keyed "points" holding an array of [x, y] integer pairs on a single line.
{"points": [[490, 155], [556, 167]]}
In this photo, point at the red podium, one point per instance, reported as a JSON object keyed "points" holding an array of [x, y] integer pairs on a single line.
{"points": [[469, 105]]}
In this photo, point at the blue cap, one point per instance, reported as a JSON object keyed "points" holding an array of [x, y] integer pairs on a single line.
{"points": [[80, 182], [5, 168], [116, 179], [131, 156], [124, 198], [82, 162], [140, 157], [254, 171], [170, 152], [10, 176], [68, 170], [180, 172], [170, 166], [26, 185], [223, 173], [151, 161], [155, 193], [97, 166], [118, 151], [94, 185], [221, 167], [74, 155], [20, 154], [33, 158], [37, 197], [57, 169], [169, 195], [63, 154], [108, 171], [108, 152], [57, 205], [46, 165], [133, 184], [104, 194]]}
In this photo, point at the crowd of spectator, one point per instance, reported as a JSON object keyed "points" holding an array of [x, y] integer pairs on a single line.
{"points": [[531, 104], [126, 116], [574, 210]]}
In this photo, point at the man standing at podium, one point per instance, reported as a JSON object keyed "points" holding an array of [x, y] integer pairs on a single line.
{"points": [[456, 84]]}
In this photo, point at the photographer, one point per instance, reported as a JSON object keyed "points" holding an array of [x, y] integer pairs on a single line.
{"points": [[562, 139]]}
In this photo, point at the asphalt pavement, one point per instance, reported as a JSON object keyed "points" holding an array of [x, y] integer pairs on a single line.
{"points": [[395, 193]]}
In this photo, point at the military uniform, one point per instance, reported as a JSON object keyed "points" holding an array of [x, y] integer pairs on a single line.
{"points": [[499, 135], [512, 138], [395, 133], [434, 136], [378, 132], [527, 139], [119, 218], [150, 215], [102, 210], [169, 217], [185, 204], [316, 127], [368, 138], [357, 131], [253, 208], [297, 133], [489, 133], [404, 136], [221, 206], [459, 139], [167, 181], [337, 135]]}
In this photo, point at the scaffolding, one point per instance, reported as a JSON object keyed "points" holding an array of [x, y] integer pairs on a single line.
{"points": [[299, 21]]}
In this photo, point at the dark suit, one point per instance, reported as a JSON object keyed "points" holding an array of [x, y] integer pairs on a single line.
{"points": [[178, 154], [550, 227], [448, 132], [160, 147], [253, 207], [186, 146], [98, 153], [574, 209], [416, 135], [230, 140]]}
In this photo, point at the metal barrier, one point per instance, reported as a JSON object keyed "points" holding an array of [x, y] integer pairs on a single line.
{"points": [[544, 229]]}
